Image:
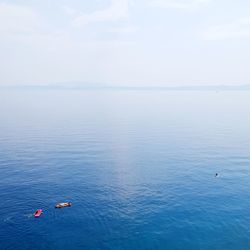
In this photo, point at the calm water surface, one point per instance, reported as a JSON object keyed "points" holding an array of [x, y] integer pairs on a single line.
{"points": [[138, 167]]}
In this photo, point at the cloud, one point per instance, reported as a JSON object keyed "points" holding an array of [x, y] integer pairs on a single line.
{"points": [[237, 29], [69, 10], [17, 19], [116, 11], [127, 30], [178, 4], [23, 25]]}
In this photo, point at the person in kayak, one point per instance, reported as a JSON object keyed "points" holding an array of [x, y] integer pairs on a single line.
{"points": [[38, 213], [63, 204]]}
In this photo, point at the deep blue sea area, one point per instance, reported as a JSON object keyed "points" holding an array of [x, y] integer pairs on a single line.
{"points": [[138, 166]]}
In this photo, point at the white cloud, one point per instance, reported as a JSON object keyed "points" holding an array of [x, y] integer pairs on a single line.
{"points": [[70, 11], [237, 29], [127, 30], [123, 41], [17, 19], [178, 4], [117, 10]]}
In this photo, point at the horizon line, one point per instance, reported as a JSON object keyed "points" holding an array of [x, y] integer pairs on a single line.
{"points": [[96, 86]]}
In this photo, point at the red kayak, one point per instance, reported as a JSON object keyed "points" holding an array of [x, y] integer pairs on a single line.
{"points": [[38, 213]]}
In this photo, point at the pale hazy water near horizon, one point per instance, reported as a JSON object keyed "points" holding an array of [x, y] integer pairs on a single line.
{"points": [[138, 167]]}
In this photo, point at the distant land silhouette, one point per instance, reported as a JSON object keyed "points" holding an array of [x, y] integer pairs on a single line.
{"points": [[99, 86]]}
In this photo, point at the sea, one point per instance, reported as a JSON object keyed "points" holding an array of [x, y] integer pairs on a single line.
{"points": [[139, 167]]}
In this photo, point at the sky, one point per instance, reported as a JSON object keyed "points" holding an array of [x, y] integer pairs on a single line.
{"points": [[125, 42]]}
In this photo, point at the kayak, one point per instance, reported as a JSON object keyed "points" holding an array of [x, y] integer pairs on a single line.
{"points": [[38, 213], [63, 204]]}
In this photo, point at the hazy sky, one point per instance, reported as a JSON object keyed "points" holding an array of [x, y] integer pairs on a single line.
{"points": [[132, 42]]}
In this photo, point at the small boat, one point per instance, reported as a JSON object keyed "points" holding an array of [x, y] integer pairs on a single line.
{"points": [[38, 213], [63, 204]]}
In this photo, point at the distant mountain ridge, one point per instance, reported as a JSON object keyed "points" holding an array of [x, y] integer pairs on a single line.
{"points": [[101, 86]]}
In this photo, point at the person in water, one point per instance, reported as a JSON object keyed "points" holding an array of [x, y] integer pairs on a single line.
{"points": [[63, 204], [216, 174]]}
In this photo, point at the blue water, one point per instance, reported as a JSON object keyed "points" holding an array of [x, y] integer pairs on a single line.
{"points": [[138, 167]]}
